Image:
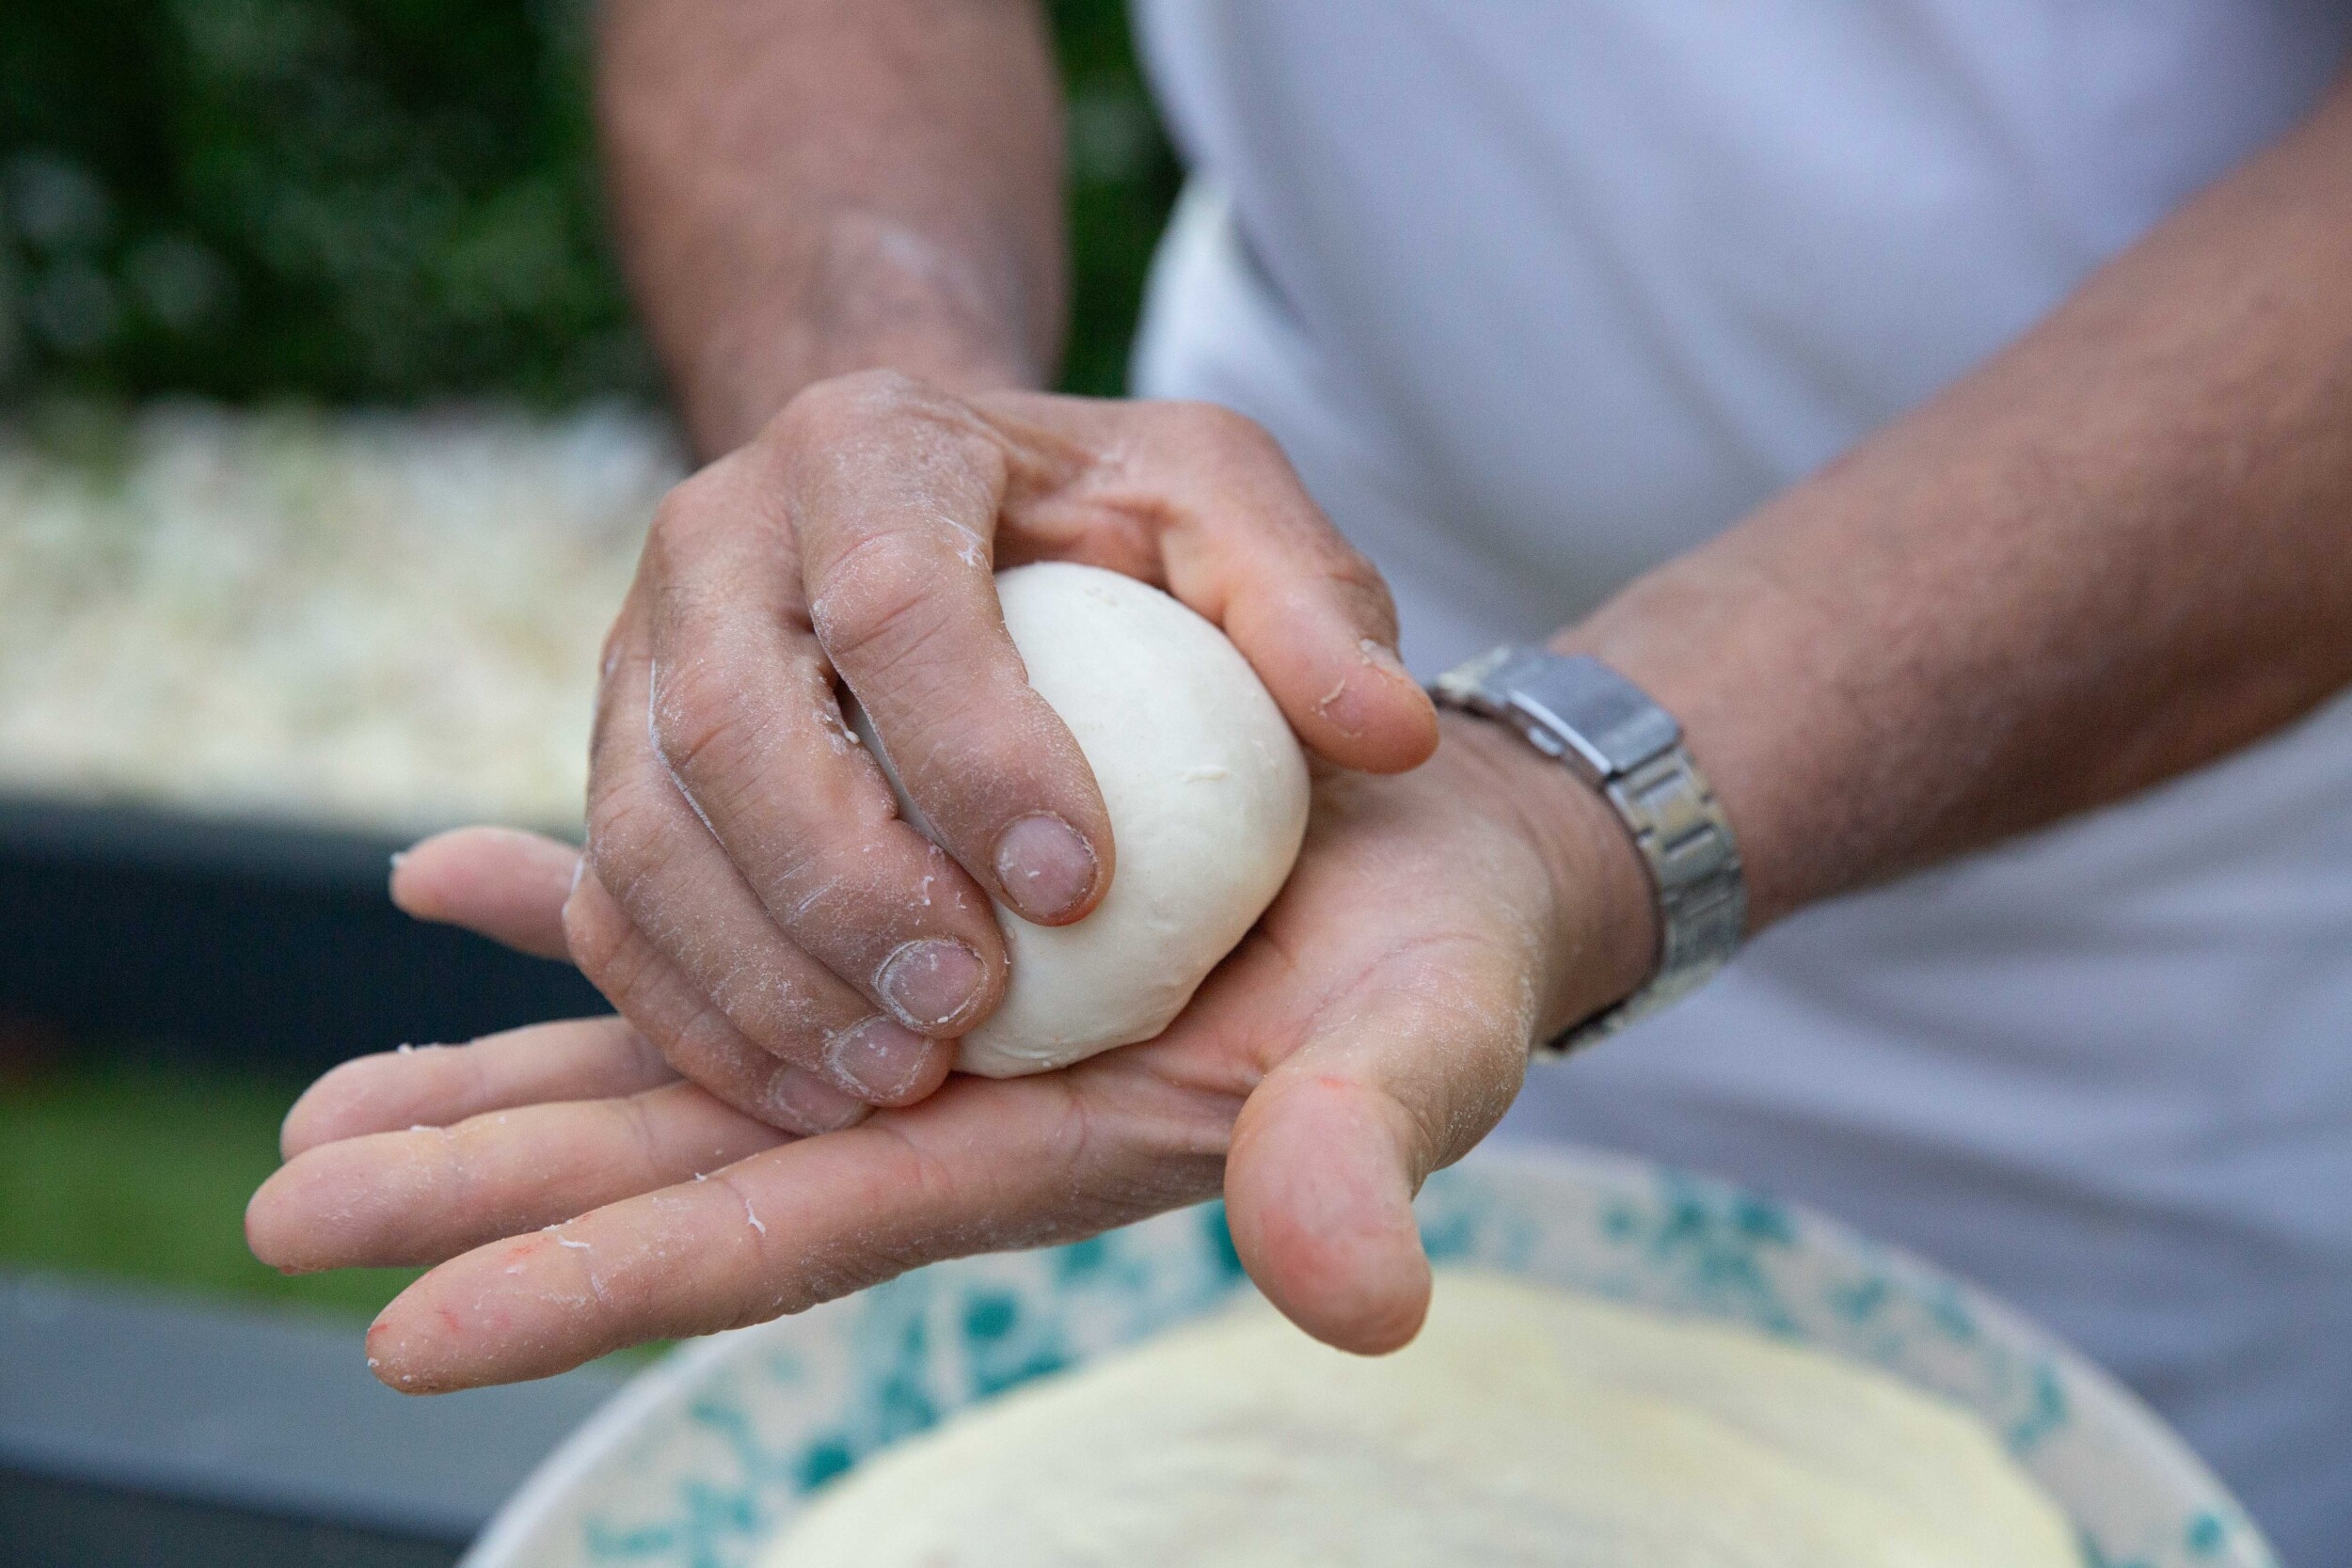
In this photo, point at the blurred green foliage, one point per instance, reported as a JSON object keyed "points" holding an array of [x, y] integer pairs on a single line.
{"points": [[1123, 178], [129, 1168], [391, 200], [139, 1170]]}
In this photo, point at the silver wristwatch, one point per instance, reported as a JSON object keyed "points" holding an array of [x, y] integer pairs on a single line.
{"points": [[1611, 735]]}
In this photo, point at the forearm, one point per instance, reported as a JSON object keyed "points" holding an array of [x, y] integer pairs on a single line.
{"points": [[2120, 550], [807, 187]]}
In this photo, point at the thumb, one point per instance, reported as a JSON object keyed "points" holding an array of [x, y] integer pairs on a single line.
{"points": [[1237, 537], [1334, 1143]]}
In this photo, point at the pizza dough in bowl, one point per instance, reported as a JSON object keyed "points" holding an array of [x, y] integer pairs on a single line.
{"points": [[1207, 793], [1526, 1425]]}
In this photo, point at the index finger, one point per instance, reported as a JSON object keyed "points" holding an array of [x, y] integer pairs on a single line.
{"points": [[983, 1166], [895, 492], [1202, 500]]}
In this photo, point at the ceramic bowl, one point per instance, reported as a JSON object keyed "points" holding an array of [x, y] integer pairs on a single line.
{"points": [[710, 1452]]}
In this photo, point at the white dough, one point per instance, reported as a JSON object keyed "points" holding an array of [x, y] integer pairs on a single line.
{"points": [[1526, 1425], [1207, 793]]}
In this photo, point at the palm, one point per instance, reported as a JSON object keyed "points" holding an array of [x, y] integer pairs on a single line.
{"points": [[1382, 1005]]}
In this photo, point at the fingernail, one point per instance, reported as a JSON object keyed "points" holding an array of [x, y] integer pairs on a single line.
{"points": [[801, 1102], [1044, 868], [878, 1059], [927, 982], [1383, 659]]}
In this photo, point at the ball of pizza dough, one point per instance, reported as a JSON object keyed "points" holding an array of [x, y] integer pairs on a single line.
{"points": [[1207, 794]]}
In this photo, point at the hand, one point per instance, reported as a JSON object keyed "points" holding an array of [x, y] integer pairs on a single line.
{"points": [[1373, 1027], [752, 902]]}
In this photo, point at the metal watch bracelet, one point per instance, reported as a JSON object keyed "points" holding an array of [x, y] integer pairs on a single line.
{"points": [[1607, 731]]}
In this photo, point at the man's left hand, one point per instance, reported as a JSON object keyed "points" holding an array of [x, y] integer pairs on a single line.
{"points": [[578, 1197]]}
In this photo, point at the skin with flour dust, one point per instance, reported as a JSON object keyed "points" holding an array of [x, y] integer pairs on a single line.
{"points": [[2126, 525]]}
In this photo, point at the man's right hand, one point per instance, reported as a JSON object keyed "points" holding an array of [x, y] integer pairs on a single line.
{"points": [[749, 897]]}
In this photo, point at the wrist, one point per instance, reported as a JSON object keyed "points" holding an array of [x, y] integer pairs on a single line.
{"points": [[1704, 637], [1604, 937], [872, 295]]}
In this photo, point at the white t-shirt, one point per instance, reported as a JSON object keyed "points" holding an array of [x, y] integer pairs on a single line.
{"points": [[1538, 295]]}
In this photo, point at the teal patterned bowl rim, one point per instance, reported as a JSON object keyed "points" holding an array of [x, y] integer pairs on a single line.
{"points": [[705, 1455]]}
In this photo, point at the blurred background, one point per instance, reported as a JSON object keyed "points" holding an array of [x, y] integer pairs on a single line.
{"points": [[327, 441]]}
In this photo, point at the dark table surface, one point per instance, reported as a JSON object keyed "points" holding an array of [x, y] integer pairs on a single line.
{"points": [[140, 1429], [251, 941]]}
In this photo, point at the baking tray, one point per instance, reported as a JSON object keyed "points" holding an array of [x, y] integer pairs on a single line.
{"points": [[254, 940]]}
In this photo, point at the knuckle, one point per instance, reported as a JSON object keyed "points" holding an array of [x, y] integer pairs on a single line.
{"points": [[1212, 424], [673, 511], [774, 1012], [625, 830], [874, 602], [677, 516], [884, 391], [610, 658], [732, 500], [1353, 571], [597, 942], [698, 722], [639, 1134], [1363, 595], [612, 651], [607, 715], [816, 412], [843, 403], [924, 430]]}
